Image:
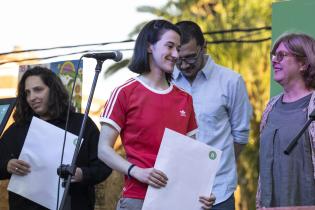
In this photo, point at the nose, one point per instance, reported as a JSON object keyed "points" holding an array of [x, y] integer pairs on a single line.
{"points": [[274, 59], [183, 65], [175, 53], [31, 96]]}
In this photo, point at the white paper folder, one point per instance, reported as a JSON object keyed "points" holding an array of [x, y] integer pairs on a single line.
{"points": [[190, 166]]}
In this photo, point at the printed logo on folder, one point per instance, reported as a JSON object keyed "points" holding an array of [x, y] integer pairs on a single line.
{"points": [[212, 155]]}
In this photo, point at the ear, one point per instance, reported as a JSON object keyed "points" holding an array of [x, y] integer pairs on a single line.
{"points": [[149, 48], [304, 66], [204, 47]]}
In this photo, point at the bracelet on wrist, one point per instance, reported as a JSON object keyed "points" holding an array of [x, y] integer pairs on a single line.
{"points": [[129, 170]]}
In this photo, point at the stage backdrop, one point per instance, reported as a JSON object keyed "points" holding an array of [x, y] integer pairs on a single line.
{"points": [[293, 16]]}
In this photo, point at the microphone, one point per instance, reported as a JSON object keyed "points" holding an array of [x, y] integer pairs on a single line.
{"points": [[293, 143], [116, 56]]}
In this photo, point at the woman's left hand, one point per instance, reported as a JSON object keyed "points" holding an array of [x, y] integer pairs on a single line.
{"points": [[150, 176], [18, 167], [207, 201]]}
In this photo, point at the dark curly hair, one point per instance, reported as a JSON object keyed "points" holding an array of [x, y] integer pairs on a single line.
{"points": [[58, 95]]}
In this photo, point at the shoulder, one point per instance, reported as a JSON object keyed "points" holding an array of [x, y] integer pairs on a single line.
{"points": [[213, 66], [220, 71], [226, 79], [15, 131], [78, 117], [9, 131], [122, 93], [76, 120], [18, 127], [180, 91], [271, 102], [274, 99], [312, 100], [227, 73], [126, 87]]}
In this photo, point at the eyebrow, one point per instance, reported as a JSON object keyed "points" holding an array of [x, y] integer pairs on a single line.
{"points": [[282, 51], [190, 55], [170, 42], [35, 87]]}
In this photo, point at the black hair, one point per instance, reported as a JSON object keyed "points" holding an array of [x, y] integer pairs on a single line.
{"points": [[150, 34], [190, 30]]}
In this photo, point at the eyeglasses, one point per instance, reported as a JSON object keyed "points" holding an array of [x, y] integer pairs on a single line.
{"points": [[278, 56], [189, 60]]}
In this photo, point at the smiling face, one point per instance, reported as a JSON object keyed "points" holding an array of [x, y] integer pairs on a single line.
{"points": [[163, 53], [37, 96], [190, 60], [287, 70]]}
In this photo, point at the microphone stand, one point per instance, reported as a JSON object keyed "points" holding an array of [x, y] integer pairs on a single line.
{"points": [[66, 171], [293, 143]]}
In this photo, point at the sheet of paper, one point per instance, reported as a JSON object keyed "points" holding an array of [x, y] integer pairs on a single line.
{"points": [[190, 166], [42, 150]]}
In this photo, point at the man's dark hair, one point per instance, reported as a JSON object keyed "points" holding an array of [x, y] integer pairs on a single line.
{"points": [[190, 30]]}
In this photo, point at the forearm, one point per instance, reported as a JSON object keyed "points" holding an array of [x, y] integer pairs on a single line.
{"points": [[238, 149], [107, 154], [112, 159], [96, 172]]}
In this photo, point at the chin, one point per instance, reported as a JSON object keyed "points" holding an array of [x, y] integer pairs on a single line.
{"points": [[277, 80], [187, 74], [169, 70], [39, 112]]}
